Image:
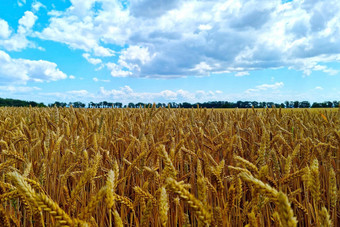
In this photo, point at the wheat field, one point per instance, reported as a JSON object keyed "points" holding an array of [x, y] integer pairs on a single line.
{"points": [[169, 167]]}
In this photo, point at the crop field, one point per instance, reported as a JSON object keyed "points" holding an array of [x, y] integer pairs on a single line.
{"points": [[169, 167]]}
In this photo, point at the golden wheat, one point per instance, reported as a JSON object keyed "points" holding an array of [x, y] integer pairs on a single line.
{"points": [[169, 167]]}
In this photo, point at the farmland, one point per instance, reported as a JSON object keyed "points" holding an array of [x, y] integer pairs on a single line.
{"points": [[169, 167]]}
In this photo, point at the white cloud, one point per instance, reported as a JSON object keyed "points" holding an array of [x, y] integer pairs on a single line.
{"points": [[69, 30], [95, 79], [242, 74], [311, 64], [204, 27], [102, 51], [175, 38], [37, 5], [19, 89], [21, 71], [93, 61], [131, 61], [5, 32], [318, 88], [116, 70], [26, 22], [127, 94], [134, 57], [270, 86], [68, 96], [72, 77], [169, 95], [80, 93], [326, 69], [264, 87], [16, 43], [21, 2], [18, 40], [202, 68]]}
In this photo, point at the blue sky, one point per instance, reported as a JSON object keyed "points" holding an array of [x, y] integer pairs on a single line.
{"points": [[169, 50]]}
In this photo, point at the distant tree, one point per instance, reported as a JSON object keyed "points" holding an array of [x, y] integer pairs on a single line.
{"points": [[247, 104], [316, 105], [336, 104], [239, 104], [139, 105], [118, 104], [58, 104], [186, 105], [174, 105], [255, 104], [131, 105], [296, 104], [304, 104], [327, 104], [33, 104], [262, 104], [77, 104], [287, 104], [270, 104]]}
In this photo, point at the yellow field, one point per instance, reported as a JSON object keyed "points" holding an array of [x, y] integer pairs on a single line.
{"points": [[169, 167]]}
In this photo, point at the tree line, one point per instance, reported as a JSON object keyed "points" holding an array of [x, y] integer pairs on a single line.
{"points": [[17, 102], [212, 104]]}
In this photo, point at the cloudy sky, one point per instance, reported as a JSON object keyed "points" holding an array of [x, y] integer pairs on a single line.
{"points": [[170, 50]]}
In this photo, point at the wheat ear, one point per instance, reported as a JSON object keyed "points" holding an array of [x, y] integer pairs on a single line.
{"points": [[163, 206], [194, 203]]}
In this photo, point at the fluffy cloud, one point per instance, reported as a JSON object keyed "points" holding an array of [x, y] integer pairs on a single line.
{"points": [[18, 89], [127, 94], [68, 96], [79, 93], [265, 87], [94, 61], [26, 22], [150, 8], [242, 74], [116, 70], [18, 41], [21, 71], [100, 51], [95, 79], [5, 32], [131, 61], [37, 5], [21, 2], [183, 38]]}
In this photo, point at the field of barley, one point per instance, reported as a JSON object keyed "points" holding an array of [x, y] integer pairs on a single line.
{"points": [[169, 167]]}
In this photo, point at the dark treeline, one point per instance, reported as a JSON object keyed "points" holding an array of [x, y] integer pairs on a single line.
{"points": [[17, 102], [212, 104]]}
